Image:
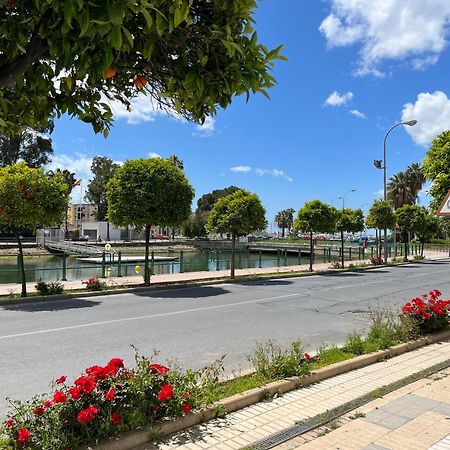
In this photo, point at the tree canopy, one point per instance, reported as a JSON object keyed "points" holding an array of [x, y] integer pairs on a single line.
{"points": [[103, 169], [381, 215], [29, 198], [207, 201], [146, 192], [437, 168], [70, 57], [316, 216], [285, 219]]}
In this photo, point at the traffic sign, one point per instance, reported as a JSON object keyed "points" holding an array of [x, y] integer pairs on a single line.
{"points": [[444, 209]]}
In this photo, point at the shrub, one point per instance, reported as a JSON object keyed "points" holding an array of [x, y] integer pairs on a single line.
{"points": [[271, 361], [94, 284], [53, 288], [430, 313], [354, 344], [104, 401]]}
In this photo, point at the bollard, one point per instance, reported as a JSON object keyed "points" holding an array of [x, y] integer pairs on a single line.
{"points": [[64, 267], [359, 253], [260, 259], [363, 253], [152, 264], [103, 265], [119, 264], [240, 259], [18, 273], [299, 257], [278, 257], [218, 260], [350, 253], [285, 257]]}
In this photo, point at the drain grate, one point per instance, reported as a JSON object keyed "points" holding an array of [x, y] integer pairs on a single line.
{"points": [[321, 419]]}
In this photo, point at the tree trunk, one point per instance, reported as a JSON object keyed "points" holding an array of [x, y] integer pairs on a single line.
{"points": [[233, 250], [342, 249], [311, 251], [146, 265], [422, 248], [21, 264]]}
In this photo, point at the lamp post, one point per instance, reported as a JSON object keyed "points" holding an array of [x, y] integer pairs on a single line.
{"points": [[377, 164], [342, 231]]}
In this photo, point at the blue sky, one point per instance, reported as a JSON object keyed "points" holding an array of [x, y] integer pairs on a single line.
{"points": [[355, 68]]}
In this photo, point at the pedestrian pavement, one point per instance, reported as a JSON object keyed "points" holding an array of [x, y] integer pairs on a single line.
{"points": [[164, 279], [416, 416]]}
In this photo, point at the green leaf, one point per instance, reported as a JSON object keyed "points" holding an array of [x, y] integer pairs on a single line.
{"points": [[148, 50], [105, 133], [148, 19], [116, 13], [116, 37], [128, 37], [177, 18]]}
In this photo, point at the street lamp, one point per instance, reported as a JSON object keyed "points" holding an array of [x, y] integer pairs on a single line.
{"points": [[377, 164], [343, 198]]}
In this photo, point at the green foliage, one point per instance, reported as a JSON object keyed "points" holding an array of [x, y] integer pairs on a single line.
{"points": [[206, 202], [404, 187], [53, 288], [271, 361], [195, 225], [95, 284], [354, 344], [195, 57], [33, 146], [332, 355], [381, 215], [411, 218], [177, 162], [29, 198], [437, 168], [149, 192], [239, 213], [350, 220], [285, 219], [103, 169], [316, 216]]}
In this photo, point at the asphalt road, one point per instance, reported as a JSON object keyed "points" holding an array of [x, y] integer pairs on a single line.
{"points": [[195, 326]]}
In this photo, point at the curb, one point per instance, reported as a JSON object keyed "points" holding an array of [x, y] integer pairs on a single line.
{"points": [[193, 283], [132, 439]]}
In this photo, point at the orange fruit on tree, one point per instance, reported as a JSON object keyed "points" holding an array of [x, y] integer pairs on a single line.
{"points": [[140, 81], [111, 72]]}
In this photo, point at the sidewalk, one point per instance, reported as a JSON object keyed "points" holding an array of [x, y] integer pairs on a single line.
{"points": [[416, 416], [135, 281]]}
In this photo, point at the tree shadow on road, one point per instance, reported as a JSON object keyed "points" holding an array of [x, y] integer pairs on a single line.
{"points": [[52, 305], [183, 292], [268, 282]]}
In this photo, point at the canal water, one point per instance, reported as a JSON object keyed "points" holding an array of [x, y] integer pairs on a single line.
{"points": [[50, 268]]}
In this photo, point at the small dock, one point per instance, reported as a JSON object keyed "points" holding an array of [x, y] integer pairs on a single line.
{"points": [[113, 258], [64, 247]]}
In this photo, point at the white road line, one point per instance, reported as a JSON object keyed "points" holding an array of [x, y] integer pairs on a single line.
{"points": [[150, 316], [359, 284], [417, 275]]}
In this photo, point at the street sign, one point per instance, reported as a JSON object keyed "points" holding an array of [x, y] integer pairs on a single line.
{"points": [[444, 209]]}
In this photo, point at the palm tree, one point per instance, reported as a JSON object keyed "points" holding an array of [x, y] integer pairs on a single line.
{"points": [[285, 219], [416, 179], [398, 190]]}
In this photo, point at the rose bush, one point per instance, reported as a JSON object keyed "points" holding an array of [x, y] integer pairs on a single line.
{"points": [[104, 401], [428, 312]]}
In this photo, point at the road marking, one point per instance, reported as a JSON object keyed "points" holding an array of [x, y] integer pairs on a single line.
{"points": [[417, 275], [359, 284], [150, 316]]}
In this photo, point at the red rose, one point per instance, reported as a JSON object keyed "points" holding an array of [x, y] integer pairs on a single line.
{"points": [[116, 418], [86, 384], [59, 397], [47, 404], [110, 395], [116, 362], [39, 411], [23, 435], [75, 392], [87, 415], [158, 369], [61, 380], [9, 422], [165, 393], [186, 408], [307, 356], [109, 371]]}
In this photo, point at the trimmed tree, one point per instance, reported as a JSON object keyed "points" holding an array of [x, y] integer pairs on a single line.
{"points": [[410, 220], [146, 192], [349, 221], [238, 213], [69, 57], [381, 216], [30, 199], [315, 216], [427, 229]]}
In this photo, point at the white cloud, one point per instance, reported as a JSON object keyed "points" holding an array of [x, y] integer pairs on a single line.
{"points": [[389, 30], [154, 155], [336, 99], [358, 114], [241, 169], [273, 172], [142, 109], [432, 112], [207, 129]]}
